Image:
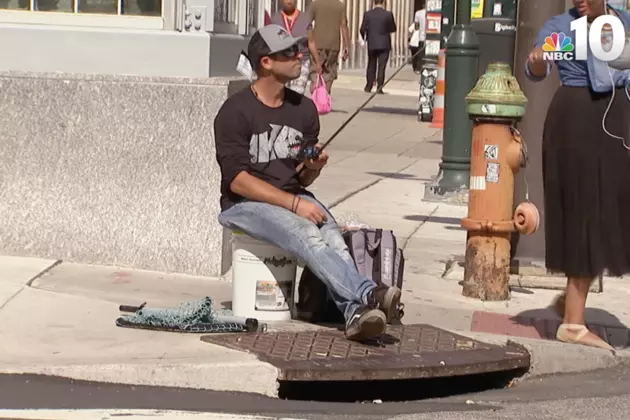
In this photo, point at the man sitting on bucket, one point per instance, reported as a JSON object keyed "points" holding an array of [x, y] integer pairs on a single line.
{"points": [[259, 133]]}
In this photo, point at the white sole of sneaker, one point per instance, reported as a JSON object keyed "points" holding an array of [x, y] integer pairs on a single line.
{"points": [[392, 299]]}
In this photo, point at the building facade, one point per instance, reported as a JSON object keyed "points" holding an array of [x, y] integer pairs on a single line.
{"points": [[170, 38], [403, 11]]}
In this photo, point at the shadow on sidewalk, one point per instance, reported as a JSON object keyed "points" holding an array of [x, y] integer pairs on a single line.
{"points": [[599, 321], [392, 110], [398, 175], [436, 219], [544, 322]]}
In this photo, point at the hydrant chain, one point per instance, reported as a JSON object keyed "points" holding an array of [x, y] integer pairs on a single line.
{"points": [[519, 138]]}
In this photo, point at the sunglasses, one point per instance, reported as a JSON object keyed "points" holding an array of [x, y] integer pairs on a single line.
{"points": [[290, 52]]}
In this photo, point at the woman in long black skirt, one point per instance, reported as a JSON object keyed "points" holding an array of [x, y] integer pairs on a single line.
{"points": [[586, 175]]}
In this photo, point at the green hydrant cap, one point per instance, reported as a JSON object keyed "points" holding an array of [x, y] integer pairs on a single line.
{"points": [[497, 94]]}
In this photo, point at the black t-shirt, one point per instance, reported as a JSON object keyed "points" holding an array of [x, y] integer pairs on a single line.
{"points": [[263, 141]]}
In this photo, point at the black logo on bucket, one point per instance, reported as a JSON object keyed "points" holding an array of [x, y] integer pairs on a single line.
{"points": [[279, 262]]}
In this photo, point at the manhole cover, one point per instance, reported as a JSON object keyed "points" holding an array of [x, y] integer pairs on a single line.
{"points": [[405, 352]]}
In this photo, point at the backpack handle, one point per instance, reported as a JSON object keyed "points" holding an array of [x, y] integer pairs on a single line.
{"points": [[373, 248]]}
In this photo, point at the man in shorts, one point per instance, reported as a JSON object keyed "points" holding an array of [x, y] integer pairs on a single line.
{"points": [[259, 133], [331, 27]]}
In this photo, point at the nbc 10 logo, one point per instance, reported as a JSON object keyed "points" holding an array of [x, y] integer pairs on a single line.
{"points": [[606, 40]]}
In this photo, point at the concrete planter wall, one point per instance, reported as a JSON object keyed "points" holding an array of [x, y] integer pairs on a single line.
{"points": [[111, 170]]}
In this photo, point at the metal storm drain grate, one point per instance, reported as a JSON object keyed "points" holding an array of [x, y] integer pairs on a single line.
{"points": [[405, 352]]}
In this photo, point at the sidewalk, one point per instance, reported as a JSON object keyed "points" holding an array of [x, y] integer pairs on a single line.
{"points": [[406, 82], [57, 318]]}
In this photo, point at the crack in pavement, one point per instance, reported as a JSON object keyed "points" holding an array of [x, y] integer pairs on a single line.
{"points": [[365, 187], [422, 223]]}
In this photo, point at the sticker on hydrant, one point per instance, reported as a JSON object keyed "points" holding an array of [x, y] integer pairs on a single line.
{"points": [[492, 172], [489, 108], [491, 151], [477, 183]]}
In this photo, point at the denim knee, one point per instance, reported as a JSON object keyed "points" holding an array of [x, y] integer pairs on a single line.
{"points": [[313, 238], [336, 242]]}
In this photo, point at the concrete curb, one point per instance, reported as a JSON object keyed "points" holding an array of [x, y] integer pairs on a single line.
{"points": [[552, 357], [253, 377], [257, 377], [547, 357]]}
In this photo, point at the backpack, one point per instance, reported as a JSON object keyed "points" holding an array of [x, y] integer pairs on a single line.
{"points": [[376, 255]]}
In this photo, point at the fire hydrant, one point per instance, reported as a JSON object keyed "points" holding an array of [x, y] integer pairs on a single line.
{"points": [[495, 104]]}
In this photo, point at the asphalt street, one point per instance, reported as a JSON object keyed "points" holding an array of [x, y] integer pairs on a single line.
{"points": [[593, 395]]}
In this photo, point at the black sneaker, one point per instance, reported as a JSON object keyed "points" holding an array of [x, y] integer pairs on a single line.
{"points": [[367, 89], [366, 323], [387, 299]]}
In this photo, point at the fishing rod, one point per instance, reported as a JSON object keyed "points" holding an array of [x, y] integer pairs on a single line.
{"points": [[311, 152]]}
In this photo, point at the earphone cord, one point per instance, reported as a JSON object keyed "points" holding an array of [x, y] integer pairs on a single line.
{"points": [[612, 98]]}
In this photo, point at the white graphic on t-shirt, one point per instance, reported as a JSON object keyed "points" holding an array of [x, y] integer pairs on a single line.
{"points": [[281, 142]]}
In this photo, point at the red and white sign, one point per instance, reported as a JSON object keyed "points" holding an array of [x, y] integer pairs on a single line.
{"points": [[434, 23]]}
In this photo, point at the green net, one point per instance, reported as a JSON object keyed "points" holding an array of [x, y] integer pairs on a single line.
{"points": [[194, 316]]}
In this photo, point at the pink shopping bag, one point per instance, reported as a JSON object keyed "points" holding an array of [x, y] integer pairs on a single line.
{"points": [[323, 101]]}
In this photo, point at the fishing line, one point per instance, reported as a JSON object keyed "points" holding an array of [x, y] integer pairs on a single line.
{"points": [[311, 152]]}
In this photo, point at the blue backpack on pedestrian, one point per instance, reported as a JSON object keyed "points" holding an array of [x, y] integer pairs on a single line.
{"points": [[376, 255]]}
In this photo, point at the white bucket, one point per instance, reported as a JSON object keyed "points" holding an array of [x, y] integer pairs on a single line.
{"points": [[263, 276]]}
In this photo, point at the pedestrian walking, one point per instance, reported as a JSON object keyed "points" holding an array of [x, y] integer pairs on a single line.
{"points": [[259, 133], [586, 174], [420, 17], [376, 28], [331, 37], [417, 38], [299, 25], [414, 47]]}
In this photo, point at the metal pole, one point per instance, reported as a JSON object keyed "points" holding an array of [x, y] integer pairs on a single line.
{"points": [[463, 12], [462, 55], [529, 251]]}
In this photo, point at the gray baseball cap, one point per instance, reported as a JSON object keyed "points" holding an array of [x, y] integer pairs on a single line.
{"points": [[269, 40]]}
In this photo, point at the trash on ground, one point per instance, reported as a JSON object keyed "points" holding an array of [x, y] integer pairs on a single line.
{"points": [[350, 221]]}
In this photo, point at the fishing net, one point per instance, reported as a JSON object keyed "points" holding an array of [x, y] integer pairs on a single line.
{"points": [[190, 317]]}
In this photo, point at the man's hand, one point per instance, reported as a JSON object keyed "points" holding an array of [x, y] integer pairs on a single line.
{"points": [[318, 67], [344, 56], [310, 211], [319, 162]]}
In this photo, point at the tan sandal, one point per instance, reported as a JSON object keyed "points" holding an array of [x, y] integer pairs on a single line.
{"points": [[578, 334]]}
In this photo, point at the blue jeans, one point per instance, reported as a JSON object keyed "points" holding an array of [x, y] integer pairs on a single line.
{"points": [[322, 249]]}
